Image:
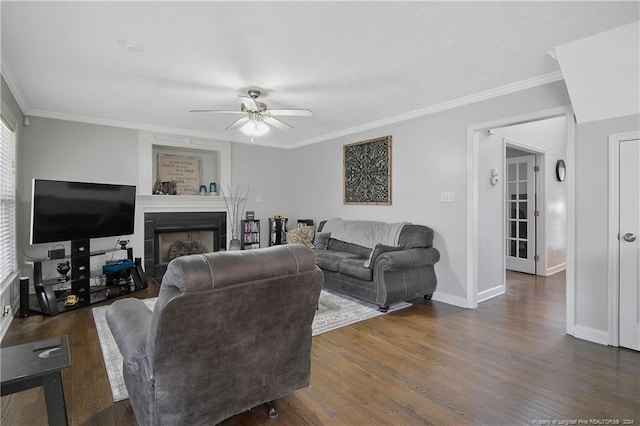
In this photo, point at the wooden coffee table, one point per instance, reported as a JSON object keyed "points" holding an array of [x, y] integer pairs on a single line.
{"points": [[38, 364]]}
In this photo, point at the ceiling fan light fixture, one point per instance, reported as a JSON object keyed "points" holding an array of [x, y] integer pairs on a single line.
{"points": [[255, 128]]}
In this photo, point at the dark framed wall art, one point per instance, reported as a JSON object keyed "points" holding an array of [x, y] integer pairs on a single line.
{"points": [[367, 172]]}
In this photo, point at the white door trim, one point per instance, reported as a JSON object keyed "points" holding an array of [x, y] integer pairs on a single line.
{"points": [[613, 257], [472, 243]]}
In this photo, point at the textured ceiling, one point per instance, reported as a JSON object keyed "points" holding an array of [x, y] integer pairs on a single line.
{"points": [[352, 63]]}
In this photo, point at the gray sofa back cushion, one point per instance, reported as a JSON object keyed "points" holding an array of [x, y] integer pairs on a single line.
{"points": [[411, 236]]}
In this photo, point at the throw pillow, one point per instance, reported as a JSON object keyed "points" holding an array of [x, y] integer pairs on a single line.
{"points": [[302, 235], [321, 242], [377, 251]]}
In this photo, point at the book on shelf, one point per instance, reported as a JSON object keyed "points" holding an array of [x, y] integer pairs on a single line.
{"points": [[252, 238], [252, 226]]}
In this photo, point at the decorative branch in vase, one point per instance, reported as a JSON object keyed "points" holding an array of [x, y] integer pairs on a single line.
{"points": [[235, 200]]}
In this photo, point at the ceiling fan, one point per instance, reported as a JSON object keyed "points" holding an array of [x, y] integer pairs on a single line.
{"points": [[257, 116]]}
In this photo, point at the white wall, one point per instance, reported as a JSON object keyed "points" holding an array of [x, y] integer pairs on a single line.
{"points": [[548, 136], [591, 176], [266, 171], [429, 155]]}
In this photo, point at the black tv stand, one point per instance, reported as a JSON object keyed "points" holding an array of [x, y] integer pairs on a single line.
{"points": [[56, 296]]}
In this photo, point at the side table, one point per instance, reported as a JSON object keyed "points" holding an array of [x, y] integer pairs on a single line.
{"points": [[38, 364]]}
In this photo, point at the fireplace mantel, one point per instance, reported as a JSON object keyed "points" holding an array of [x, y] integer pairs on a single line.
{"points": [[180, 203]]}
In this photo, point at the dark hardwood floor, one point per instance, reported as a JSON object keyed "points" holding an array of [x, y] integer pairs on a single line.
{"points": [[507, 362]]}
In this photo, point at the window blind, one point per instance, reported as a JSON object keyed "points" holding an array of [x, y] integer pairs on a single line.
{"points": [[8, 258]]}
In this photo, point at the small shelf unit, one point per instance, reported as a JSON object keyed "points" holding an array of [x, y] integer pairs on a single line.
{"points": [[250, 234], [277, 231]]}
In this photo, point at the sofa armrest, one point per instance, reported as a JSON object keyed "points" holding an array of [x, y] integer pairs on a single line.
{"points": [[407, 259], [130, 322]]}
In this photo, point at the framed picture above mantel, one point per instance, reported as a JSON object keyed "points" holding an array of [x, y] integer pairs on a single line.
{"points": [[184, 171], [367, 172]]}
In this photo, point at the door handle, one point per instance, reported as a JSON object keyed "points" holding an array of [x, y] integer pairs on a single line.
{"points": [[629, 237]]}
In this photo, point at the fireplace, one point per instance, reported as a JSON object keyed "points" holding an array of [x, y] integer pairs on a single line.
{"points": [[173, 234]]}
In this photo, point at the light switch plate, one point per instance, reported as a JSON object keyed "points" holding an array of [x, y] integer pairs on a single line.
{"points": [[447, 197]]}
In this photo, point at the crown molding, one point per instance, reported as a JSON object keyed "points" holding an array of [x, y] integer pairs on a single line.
{"points": [[455, 103]]}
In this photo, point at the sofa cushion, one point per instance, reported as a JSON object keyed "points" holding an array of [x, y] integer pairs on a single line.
{"points": [[413, 236], [330, 260], [321, 240], [338, 245], [355, 268], [302, 235]]}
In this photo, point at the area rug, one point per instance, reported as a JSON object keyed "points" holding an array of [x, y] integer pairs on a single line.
{"points": [[334, 311]]}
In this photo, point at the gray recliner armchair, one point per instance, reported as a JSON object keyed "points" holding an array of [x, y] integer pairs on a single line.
{"points": [[230, 331]]}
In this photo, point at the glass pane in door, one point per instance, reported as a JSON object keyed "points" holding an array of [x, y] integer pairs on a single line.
{"points": [[522, 230], [522, 252], [522, 210], [522, 171], [522, 190], [512, 229]]}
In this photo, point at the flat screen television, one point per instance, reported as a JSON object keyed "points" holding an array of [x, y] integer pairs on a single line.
{"points": [[65, 211]]}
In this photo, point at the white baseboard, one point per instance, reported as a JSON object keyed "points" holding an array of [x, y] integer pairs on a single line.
{"points": [[450, 299], [555, 269], [6, 302], [4, 325], [491, 293], [591, 334]]}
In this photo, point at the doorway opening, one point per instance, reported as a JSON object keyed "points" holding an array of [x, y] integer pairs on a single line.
{"points": [[496, 227]]}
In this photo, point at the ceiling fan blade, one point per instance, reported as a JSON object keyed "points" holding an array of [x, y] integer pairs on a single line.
{"points": [[239, 122], [216, 111], [280, 125], [291, 112], [249, 102]]}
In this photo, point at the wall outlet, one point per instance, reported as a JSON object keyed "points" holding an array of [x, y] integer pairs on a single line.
{"points": [[447, 197]]}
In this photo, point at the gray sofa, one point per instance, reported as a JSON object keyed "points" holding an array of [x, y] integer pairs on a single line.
{"points": [[229, 331], [400, 270]]}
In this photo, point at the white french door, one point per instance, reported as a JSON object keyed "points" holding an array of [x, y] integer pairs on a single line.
{"points": [[520, 220], [629, 300]]}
